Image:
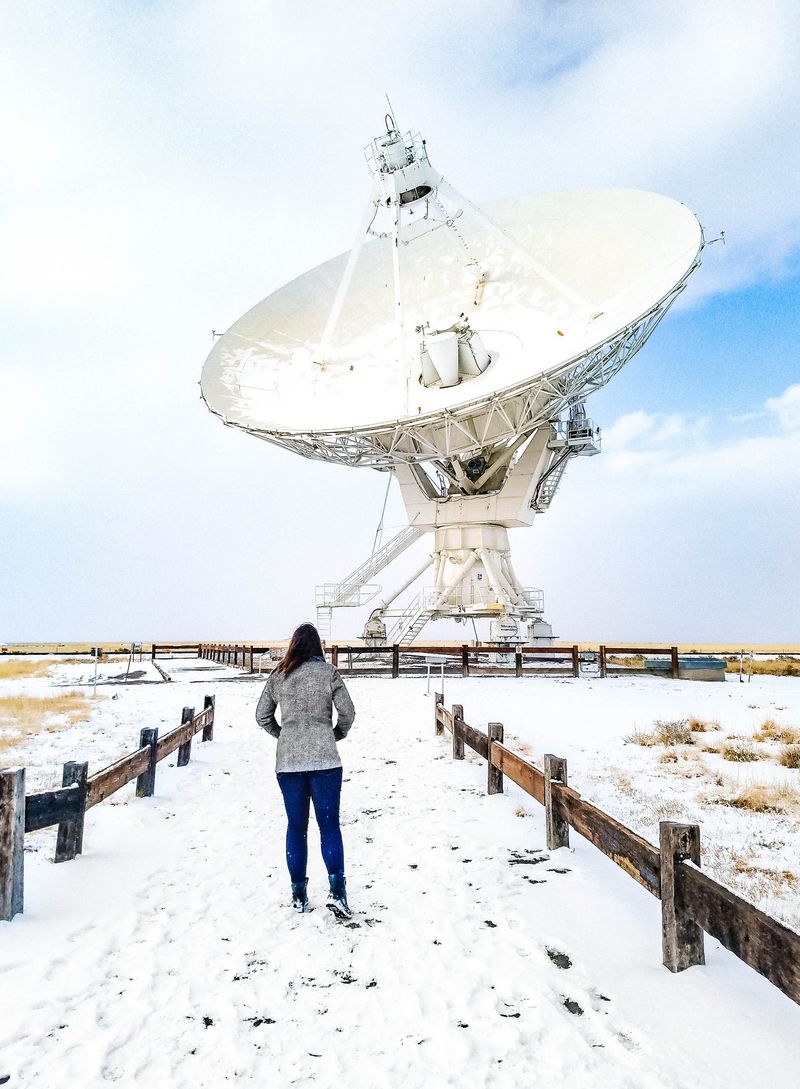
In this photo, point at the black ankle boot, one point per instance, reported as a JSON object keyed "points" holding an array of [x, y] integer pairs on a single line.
{"points": [[337, 898], [300, 895]]}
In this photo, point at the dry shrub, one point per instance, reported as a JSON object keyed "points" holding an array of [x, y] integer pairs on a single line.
{"points": [[701, 725], [668, 758], [664, 732], [790, 756], [624, 784], [23, 716], [763, 798], [739, 750], [770, 730], [690, 765], [738, 868], [633, 661]]}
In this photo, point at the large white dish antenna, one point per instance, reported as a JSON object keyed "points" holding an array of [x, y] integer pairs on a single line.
{"points": [[445, 347], [559, 286]]}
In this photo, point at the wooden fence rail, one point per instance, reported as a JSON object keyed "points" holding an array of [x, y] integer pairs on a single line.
{"points": [[67, 805], [692, 902], [461, 659]]}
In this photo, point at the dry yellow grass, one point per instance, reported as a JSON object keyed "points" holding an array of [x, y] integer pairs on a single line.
{"points": [[20, 669], [738, 868], [770, 730], [701, 725], [773, 667], [740, 750], [23, 716], [15, 670], [633, 661], [790, 756], [763, 798], [662, 733]]}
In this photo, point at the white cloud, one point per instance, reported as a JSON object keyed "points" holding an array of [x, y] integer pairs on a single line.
{"points": [[701, 452], [787, 407]]}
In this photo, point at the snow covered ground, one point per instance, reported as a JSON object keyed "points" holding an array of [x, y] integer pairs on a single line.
{"points": [[167, 954]]}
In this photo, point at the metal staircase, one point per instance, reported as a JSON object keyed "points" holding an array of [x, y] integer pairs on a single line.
{"points": [[356, 589], [410, 622]]}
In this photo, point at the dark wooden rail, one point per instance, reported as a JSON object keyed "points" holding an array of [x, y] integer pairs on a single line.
{"points": [[67, 805], [749, 933], [52, 807], [691, 901], [489, 660], [106, 782]]}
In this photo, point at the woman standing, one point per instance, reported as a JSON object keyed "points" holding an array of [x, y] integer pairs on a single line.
{"points": [[307, 763]]}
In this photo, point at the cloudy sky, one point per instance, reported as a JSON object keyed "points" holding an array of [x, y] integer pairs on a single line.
{"points": [[167, 165]]}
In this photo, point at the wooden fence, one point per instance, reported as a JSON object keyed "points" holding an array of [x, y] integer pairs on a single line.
{"points": [[692, 902], [66, 806], [174, 650], [464, 660]]}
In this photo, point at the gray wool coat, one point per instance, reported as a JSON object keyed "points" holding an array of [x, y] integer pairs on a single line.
{"points": [[306, 734]]}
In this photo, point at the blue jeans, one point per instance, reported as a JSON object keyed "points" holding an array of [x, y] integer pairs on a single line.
{"points": [[324, 788]]}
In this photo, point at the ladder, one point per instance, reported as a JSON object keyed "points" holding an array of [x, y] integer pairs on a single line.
{"points": [[324, 622], [410, 622]]}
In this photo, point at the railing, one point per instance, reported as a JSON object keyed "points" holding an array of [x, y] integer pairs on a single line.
{"points": [[174, 650], [67, 806], [486, 660], [492, 660], [332, 595], [692, 902]]}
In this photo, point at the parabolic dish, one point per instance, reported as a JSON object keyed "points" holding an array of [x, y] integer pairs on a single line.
{"points": [[568, 276]]}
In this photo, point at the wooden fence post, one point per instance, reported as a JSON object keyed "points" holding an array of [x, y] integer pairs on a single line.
{"points": [[251, 660], [335, 656], [576, 662], [518, 663], [153, 649], [464, 660], [555, 770], [395, 660], [12, 841], [69, 839], [602, 661], [438, 701], [681, 939], [495, 783], [208, 729], [185, 750], [676, 667], [146, 783], [458, 737]]}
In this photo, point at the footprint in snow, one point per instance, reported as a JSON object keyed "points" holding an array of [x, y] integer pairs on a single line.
{"points": [[528, 858], [561, 960]]}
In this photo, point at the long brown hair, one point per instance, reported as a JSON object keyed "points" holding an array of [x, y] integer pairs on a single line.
{"points": [[304, 644]]}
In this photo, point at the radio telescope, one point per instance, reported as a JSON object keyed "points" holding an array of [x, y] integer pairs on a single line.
{"points": [[454, 346]]}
